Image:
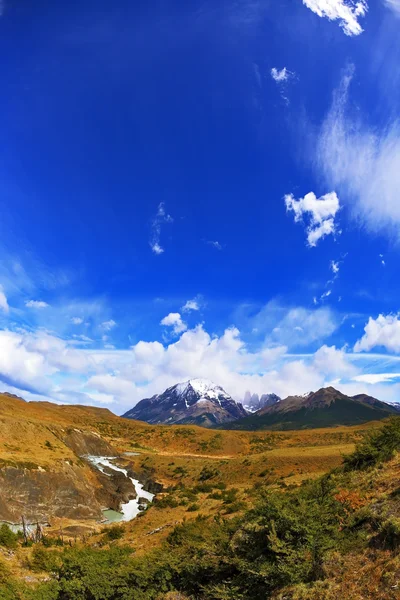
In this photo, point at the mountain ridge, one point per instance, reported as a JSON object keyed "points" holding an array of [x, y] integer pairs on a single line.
{"points": [[196, 402], [326, 407]]}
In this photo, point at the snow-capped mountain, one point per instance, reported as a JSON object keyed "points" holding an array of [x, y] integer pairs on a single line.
{"points": [[253, 402], [197, 401]]}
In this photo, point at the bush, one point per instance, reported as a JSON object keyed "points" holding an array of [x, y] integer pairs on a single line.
{"points": [[207, 473], [193, 507], [115, 532], [236, 506], [43, 560], [388, 537], [166, 502], [377, 447], [8, 538]]}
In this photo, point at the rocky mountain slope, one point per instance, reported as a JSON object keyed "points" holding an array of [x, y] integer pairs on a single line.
{"points": [[253, 402], [325, 408], [197, 401]]}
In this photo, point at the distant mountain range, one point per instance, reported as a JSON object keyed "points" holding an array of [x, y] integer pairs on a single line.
{"points": [[202, 402], [197, 401], [325, 408]]}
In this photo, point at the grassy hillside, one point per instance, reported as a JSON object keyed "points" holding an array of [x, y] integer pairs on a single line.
{"points": [[337, 536]]}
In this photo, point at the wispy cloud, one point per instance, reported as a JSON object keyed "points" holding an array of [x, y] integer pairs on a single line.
{"points": [[282, 77], [3, 301], [215, 244], [362, 162], [108, 325], [161, 217], [347, 12], [76, 321], [319, 214], [394, 5]]}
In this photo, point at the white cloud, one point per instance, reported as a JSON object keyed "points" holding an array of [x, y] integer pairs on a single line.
{"points": [[36, 304], [301, 327], [374, 378], [119, 389], [334, 362], [335, 267], [161, 217], [41, 366], [326, 294], [194, 304], [346, 11], [319, 212], [383, 331], [394, 5], [362, 162], [280, 75], [76, 321], [215, 244], [108, 325], [174, 320], [3, 301]]}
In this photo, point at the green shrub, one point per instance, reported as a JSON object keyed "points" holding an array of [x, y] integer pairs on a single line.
{"points": [[377, 447], [388, 536], [115, 532], [166, 502], [8, 538], [43, 560], [193, 507]]}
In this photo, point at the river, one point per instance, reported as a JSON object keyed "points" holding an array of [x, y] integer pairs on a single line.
{"points": [[130, 509]]}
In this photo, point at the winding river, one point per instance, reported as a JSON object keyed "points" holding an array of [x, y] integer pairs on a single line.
{"points": [[130, 509]]}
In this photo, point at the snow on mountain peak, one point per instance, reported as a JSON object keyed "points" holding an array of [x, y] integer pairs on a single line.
{"points": [[203, 387]]}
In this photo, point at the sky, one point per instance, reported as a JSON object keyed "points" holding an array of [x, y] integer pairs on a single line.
{"points": [[199, 189]]}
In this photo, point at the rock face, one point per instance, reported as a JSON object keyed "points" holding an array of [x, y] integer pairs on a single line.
{"points": [[197, 401], [252, 402], [70, 488]]}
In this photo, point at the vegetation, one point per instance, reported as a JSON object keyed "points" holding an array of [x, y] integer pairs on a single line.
{"points": [[287, 545]]}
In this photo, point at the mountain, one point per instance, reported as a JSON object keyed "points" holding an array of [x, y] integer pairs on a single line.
{"points": [[197, 401], [252, 402], [325, 408]]}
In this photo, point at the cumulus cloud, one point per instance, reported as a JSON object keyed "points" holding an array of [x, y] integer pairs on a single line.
{"points": [[161, 217], [36, 304], [3, 301], [362, 162], [347, 12], [118, 388], [334, 362], [318, 214], [194, 304], [40, 365], [174, 320], [381, 332]]}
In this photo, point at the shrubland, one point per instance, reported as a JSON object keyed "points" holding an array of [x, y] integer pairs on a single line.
{"points": [[337, 536]]}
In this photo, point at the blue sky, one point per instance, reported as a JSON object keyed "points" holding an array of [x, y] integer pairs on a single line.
{"points": [[207, 190]]}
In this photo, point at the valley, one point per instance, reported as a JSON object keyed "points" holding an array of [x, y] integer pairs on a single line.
{"points": [[100, 483]]}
